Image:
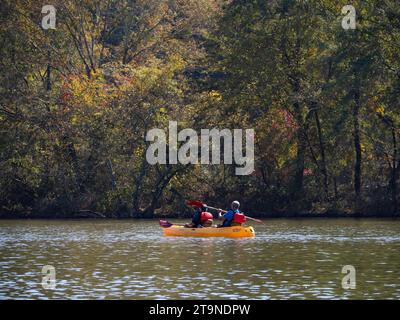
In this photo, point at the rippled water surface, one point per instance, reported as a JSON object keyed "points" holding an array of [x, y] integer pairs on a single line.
{"points": [[288, 259]]}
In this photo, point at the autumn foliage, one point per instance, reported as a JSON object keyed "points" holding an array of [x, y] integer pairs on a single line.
{"points": [[76, 103]]}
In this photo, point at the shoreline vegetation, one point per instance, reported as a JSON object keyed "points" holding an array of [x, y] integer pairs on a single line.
{"points": [[88, 214], [77, 101]]}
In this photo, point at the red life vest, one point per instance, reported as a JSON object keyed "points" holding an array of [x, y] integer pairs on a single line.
{"points": [[239, 218], [205, 216]]}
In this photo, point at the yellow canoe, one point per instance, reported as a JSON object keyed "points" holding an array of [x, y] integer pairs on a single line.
{"points": [[228, 232]]}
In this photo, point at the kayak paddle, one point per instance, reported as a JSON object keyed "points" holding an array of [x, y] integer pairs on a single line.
{"points": [[167, 224], [201, 204]]}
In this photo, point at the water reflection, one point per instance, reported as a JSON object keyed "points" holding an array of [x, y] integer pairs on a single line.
{"points": [[298, 259]]}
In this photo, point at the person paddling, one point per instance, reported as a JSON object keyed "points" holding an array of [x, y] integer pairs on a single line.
{"points": [[201, 218], [233, 217]]}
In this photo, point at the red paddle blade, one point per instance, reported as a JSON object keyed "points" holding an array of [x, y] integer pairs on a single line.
{"points": [[196, 203], [165, 224]]}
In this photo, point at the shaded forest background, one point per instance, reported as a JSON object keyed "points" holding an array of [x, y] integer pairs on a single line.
{"points": [[76, 103]]}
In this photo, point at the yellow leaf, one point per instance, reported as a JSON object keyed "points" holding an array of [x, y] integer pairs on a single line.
{"points": [[380, 110], [216, 95], [74, 119]]}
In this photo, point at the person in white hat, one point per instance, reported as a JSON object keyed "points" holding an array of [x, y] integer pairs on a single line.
{"points": [[230, 215]]}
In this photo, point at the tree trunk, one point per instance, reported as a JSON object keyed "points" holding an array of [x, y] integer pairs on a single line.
{"points": [[300, 157], [113, 179], [48, 73], [138, 187], [324, 170], [393, 180], [158, 191], [73, 157], [126, 41], [335, 188], [357, 144]]}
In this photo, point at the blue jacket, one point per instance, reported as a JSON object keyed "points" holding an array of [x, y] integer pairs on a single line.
{"points": [[229, 217], [196, 220]]}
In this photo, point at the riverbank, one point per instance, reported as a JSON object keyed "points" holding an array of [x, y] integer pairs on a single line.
{"points": [[88, 214]]}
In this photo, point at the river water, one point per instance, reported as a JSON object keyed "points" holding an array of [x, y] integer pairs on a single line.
{"points": [[124, 259]]}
